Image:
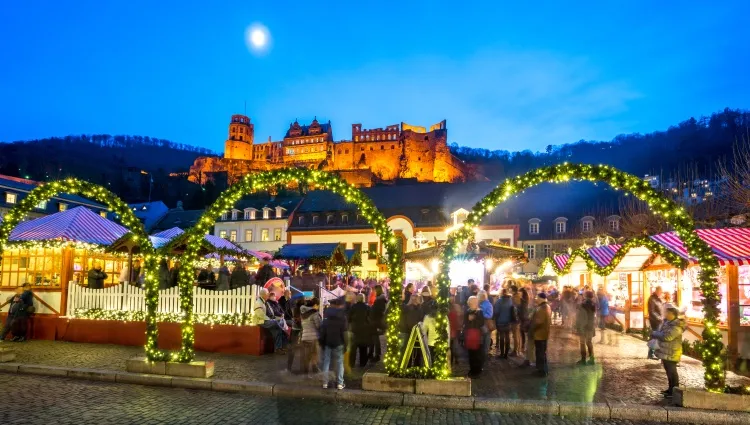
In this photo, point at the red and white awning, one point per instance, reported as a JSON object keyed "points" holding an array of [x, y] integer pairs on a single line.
{"points": [[603, 255], [730, 246], [561, 260]]}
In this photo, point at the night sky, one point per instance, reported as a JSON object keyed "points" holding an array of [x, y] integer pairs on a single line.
{"points": [[504, 75]]}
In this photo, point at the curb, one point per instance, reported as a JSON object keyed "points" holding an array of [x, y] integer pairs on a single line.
{"points": [[611, 410]]}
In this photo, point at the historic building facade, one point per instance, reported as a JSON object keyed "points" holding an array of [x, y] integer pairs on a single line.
{"points": [[371, 155]]}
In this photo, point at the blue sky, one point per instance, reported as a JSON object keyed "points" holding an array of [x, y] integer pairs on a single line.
{"points": [[504, 75]]}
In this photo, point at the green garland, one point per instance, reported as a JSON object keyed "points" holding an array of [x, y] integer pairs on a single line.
{"points": [[235, 319], [51, 244], [252, 183], [643, 241], [675, 215], [46, 191]]}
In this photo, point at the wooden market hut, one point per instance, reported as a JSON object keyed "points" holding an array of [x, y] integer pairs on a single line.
{"points": [[55, 251]]}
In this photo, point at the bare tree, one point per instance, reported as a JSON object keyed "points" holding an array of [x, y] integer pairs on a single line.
{"points": [[736, 176]]}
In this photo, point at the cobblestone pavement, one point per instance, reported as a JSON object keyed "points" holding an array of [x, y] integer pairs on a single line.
{"points": [[622, 373], [47, 400]]}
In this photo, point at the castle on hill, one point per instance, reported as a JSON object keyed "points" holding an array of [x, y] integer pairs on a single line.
{"points": [[371, 155]]}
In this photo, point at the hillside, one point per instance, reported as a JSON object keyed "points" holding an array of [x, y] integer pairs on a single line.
{"points": [[694, 143], [117, 162]]}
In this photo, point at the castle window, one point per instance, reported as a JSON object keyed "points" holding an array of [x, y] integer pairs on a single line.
{"points": [[356, 138], [382, 148], [393, 147], [339, 152], [346, 151], [370, 147], [362, 149]]}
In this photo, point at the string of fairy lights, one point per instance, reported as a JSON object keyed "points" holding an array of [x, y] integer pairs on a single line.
{"points": [[644, 241], [675, 215]]}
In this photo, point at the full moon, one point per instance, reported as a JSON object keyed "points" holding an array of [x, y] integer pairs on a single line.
{"points": [[257, 37]]}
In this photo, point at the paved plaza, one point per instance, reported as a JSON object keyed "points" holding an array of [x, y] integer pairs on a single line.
{"points": [[48, 400], [621, 375]]}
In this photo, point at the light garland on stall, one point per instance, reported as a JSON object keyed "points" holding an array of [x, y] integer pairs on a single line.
{"points": [[643, 241], [235, 319], [675, 215], [313, 179], [54, 244], [46, 191]]}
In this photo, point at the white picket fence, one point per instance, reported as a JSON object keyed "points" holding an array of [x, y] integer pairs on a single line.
{"points": [[125, 297]]}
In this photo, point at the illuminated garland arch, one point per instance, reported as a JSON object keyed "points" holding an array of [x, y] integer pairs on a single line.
{"points": [[676, 216], [262, 181], [46, 191], [643, 241]]}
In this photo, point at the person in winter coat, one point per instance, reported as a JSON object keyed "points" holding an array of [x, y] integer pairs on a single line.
{"points": [[163, 274], [430, 329], [541, 325], [655, 317], [174, 275], [411, 314], [377, 317], [264, 317], [310, 329], [670, 346], [332, 341], [408, 292], [505, 315], [18, 313], [295, 337], [265, 273], [455, 325], [487, 312], [603, 313], [206, 277], [523, 317], [96, 276], [222, 283], [585, 327], [515, 328], [361, 329], [474, 319], [239, 277]]}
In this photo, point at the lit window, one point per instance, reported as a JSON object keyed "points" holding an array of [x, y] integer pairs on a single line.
{"points": [[265, 213], [530, 251], [11, 198], [223, 234], [614, 225], [560, 227], [248, 235], [534, 228], [233, 236], [264, 235], [247, 215], [586, 226], [103, 214], [62, 207], [277, 234], [42, 205], [372, 250], [547, 251]]}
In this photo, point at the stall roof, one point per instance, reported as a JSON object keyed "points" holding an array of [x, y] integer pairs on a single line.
{"points": [[485, 250], [603, 255], [730, 246], [307, 251], [77, 224]]}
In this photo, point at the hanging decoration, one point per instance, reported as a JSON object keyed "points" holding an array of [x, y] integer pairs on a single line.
{"points": [[675, 215], [46, 191]]}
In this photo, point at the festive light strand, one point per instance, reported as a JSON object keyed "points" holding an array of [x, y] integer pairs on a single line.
{"points": [[675, 215]]}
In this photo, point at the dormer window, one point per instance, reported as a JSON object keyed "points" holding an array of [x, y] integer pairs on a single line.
{"points": [[315, 220], [301, 220], [586, 225], [234, 215], [344, 219], [329, 219], [279, 212], [266, 213], [559, 227], [459, 216], [224, 215], [614, 224], [534, 226]]}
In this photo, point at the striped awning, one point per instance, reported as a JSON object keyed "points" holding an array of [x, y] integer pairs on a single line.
{"points": [[169, 233], [561, 260], [166, 237], [730, 246], [603, 255], [78, 224]]}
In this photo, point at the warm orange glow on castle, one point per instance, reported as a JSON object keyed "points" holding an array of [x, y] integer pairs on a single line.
{"points": [[381, 154]]}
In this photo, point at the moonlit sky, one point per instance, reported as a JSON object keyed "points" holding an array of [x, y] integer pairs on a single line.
{"points": [[504, 75]]}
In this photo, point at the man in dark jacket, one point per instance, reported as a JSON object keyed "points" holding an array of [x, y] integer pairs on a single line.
{"points": [[361, 328], [655, 318], [377, 318], [265, 273], [174, 275], [505, 315], [239, 277], [18, 313], [96, 276], [333, 340]]}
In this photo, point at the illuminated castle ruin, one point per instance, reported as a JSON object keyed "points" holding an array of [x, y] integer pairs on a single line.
{"points": [[381, 154]]}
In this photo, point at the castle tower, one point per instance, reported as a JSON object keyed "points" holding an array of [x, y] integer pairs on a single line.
{"points": [[239, 144]]}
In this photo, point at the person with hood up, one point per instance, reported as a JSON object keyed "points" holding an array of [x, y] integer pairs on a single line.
{"points": [[585, 327], [310, 330], [669, 351], [505, 315], [333, 340]]}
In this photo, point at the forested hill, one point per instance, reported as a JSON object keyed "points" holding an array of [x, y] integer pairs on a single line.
{"points": [[115, 162], [695, 143]]}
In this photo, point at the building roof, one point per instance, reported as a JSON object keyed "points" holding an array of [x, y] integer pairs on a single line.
{"points": [[264, 200], [324, 128], [25, 186], [175, 238], [178, 218], [307, 251], [77, 224]]}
